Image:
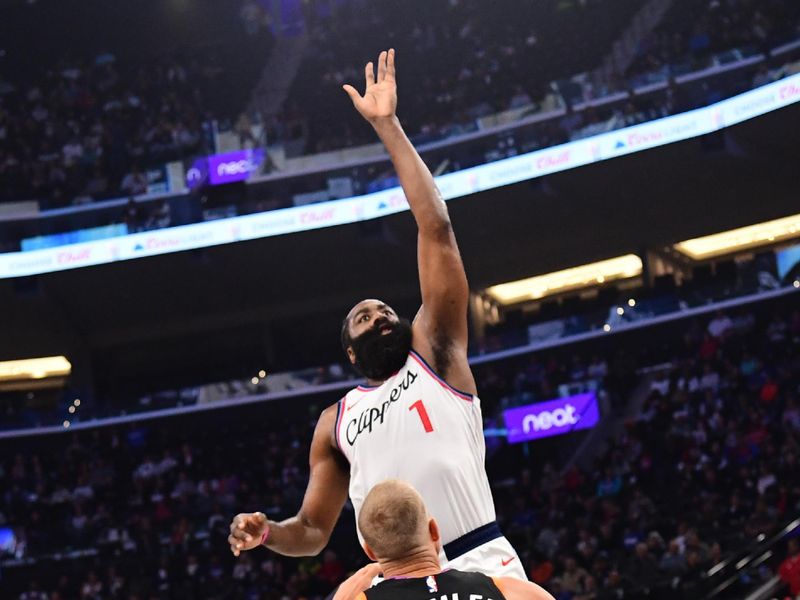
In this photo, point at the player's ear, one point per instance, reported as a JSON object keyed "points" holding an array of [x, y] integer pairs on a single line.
{"points": [[435, 536], [370, 553], [433, 529], [351, 355]]}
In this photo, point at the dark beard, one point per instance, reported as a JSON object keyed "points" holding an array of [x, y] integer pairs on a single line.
{"points": [[379, 356]]}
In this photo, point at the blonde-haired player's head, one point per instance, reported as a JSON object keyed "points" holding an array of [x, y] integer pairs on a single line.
{"points": [[396, 525]]}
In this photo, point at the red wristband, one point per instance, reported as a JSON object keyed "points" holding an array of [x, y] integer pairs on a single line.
{"points": [[265, 535]]}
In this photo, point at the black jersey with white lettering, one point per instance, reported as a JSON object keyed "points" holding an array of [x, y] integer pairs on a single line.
{"points": [[448, 585]]}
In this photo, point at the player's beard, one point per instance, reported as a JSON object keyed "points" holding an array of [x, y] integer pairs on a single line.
{"points": [[379, 356]]}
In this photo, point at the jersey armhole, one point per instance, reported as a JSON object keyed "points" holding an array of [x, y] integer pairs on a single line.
{"points": [[424, 364], [499, 584], [361, 596], [337, 423]]}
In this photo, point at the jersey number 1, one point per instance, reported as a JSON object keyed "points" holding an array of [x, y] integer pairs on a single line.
{"points": [[423, 415]]}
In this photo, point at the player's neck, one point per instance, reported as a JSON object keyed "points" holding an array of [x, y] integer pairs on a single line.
{"points": [[417, 564]]}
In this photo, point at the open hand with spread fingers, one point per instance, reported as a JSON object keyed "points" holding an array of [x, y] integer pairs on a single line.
{"points": [[380, 95], [248, 531]]}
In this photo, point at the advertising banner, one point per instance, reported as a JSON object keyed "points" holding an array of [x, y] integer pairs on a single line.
{"points": [[74, 237], [234, 166], [555, 417]]}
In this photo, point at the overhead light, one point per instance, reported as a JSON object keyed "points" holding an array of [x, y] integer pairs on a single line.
{"points": [[743, 238], [262, 373], [254, 381], [77, 402], [574, 278], [65, 424], [620, 311], [631, 302], [34, 368], [606, 327], [71, 410]]}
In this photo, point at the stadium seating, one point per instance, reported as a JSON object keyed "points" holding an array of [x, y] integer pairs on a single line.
{"points": [[694, 36], [88, 124], [141, 511], [96, 126]]}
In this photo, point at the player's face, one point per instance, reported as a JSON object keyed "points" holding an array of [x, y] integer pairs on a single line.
{"points": [[368, 314], [380, 341]]}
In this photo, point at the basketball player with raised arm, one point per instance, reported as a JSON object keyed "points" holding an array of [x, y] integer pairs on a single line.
{"points": [[405, 542], [418, 419]]}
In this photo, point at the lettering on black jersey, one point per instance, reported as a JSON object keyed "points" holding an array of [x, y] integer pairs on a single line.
{"points": [[375, 415]]}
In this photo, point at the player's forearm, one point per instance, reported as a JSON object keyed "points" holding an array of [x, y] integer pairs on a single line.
{"points": [[423, 197], [293, 537]]}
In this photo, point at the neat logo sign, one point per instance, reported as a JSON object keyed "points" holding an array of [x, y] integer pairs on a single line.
{"points": [[547, 419], [555, 417], [234, 166]]}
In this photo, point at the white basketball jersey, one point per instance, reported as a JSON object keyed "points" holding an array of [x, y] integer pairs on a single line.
{"points": [[416, 428]]}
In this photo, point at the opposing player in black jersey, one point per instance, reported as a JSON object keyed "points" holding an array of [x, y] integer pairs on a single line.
{"points": [[404, 540]]}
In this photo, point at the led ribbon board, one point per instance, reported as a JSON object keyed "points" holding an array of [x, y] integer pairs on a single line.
{"points": [[386, 202]]}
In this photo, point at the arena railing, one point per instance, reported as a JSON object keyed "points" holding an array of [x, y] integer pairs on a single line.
{"points": [[499, 171], [245, 394], [723, 577]]}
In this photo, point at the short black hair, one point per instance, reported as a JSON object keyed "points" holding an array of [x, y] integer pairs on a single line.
{"points": [[345, 335]]}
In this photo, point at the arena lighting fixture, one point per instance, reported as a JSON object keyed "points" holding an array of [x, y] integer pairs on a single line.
{"points": [[34, 368], [533, 288], [734, 240]]}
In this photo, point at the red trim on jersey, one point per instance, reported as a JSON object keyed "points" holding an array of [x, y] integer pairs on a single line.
{"points": [[339, 418], [442, 382]]}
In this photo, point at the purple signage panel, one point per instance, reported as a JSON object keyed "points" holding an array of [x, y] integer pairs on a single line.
{"points": [[554, 417], [234, 166], [197, 173]]}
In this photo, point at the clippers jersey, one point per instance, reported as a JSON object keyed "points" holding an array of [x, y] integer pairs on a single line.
{"points": [[417, 428]]}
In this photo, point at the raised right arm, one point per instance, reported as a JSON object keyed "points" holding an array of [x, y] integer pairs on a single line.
{"points": [[307, 533]]}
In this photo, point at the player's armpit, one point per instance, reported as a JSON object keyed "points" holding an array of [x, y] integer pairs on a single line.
{"points": [[516, 589], [308, 532]]}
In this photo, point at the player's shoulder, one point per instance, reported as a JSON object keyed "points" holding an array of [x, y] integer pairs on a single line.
{"points": [[469, 576], [512, 589], [329, 412], [327, 420]]}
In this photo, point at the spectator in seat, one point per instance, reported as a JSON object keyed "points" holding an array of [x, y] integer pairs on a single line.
{"points": [[789, 569], [720, 325], [574, 576], [132, 217], [642, 568], [135, 182], [673, 563]]}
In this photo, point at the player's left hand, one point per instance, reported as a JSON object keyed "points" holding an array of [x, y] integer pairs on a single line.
{"points": [[247, 530], [358, 582], [380, 95]]}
